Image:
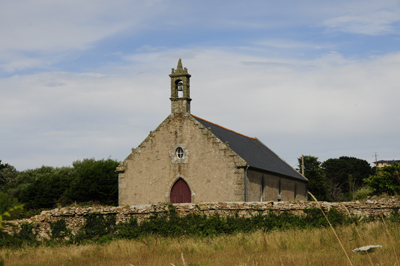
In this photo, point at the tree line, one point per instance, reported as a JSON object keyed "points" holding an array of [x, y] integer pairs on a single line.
{"points": [[348, 178], [90, 181], [86, 181]]}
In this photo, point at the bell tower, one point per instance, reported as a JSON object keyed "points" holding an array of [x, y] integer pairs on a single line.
{"points": [[180, 90]]}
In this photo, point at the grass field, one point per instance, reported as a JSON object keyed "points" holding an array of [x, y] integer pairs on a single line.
{"points": [[291, 247]]}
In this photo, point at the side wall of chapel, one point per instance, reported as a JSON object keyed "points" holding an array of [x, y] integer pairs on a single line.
{"points": [[265, 187]]}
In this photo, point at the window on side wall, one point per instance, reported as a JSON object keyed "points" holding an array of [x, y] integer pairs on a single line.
{"points": [[280, 190]]}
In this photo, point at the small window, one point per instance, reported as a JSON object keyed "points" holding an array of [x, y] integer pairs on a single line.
{"points": [[279, 190], [279, 187], [179, 152], [262, 188]]}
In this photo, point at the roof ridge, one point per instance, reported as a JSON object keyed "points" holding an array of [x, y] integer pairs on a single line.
{"points": [[223, 127]]}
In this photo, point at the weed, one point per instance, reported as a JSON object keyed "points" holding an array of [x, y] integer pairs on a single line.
{"points": [[59, 229]]}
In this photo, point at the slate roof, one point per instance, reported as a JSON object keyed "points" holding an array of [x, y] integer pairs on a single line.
{"points": [[253, 151]]}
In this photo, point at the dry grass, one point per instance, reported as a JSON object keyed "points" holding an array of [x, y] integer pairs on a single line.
{"points": [[293, 247]]}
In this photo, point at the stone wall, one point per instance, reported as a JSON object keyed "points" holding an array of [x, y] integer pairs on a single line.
{"points": [[75, 217], [267, 186], [209, 167]]}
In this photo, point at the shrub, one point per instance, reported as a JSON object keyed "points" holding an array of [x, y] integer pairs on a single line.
{"points": [[26, 236], [59, 229], [387, 180], [363, 193], [95, 227]]}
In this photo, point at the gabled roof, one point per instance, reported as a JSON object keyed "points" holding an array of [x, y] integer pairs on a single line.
{"points": [[253, 151]]}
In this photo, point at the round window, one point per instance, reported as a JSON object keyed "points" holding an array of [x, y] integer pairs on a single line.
{"points": [[179, 152]]}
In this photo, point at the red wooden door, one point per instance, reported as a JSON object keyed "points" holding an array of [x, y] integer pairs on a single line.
{"points": [[180, 192]]}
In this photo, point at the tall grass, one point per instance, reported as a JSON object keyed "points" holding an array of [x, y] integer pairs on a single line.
{"points": [[288, 247], [333, 229]]}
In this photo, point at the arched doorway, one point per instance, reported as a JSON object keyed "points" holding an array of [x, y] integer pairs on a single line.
{"points": [[180, 192]]}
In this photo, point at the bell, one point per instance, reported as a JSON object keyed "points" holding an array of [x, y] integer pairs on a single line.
{"points": [[180, 87]]}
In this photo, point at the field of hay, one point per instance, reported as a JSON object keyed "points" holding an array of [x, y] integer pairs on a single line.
{"points": [[291, 247]]}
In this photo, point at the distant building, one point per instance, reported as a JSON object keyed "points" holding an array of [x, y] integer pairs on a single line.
{"points": [[189, 159], [383, 163]]}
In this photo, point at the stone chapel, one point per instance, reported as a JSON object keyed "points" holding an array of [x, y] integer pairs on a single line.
{"points": [[189, 159]]}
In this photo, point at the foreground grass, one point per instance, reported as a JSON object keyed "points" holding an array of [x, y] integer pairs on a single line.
{"points": [[291, 247]]}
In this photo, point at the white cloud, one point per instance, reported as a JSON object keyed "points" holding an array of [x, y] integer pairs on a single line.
{"points": [[292, 44], [326, 103], [39, 33], [376, 22], [43, 25], [338, 105], [98, 115], [65, 115]]}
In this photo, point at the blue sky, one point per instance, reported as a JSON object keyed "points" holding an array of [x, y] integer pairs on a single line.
{"points": [[90, 79]]}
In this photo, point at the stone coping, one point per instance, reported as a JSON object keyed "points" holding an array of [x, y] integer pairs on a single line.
{"points": [[384, 203]]}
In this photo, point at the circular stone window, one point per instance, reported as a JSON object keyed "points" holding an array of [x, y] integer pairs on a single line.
{"points": [[179, 152]]}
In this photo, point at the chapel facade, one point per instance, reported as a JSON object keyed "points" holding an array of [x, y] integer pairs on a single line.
{"points": [[189, 159]]}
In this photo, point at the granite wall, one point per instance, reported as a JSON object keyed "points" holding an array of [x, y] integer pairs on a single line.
{"points": [[75, 216]]}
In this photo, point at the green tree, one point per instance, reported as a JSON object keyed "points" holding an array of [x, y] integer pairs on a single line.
{"points": [[48, 188], [24, 179], [386, 180], [8, 174], [8, 206], [345, 175], [95, 181], [317, 182], [2, 166], [7, 202], [87, 181]]}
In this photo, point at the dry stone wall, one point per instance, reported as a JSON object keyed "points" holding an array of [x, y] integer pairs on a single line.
{"points": [[75, 216]]}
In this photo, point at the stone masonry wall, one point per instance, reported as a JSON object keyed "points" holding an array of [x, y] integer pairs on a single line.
{"points": [[75, 217], [212, 170]]}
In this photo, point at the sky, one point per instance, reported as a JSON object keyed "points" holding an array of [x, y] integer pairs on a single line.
{"points": [[89, 79]]}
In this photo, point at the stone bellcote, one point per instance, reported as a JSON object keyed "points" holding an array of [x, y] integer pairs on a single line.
{"points": [[180, 89]]}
